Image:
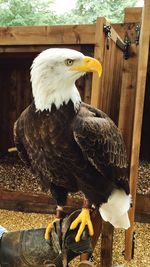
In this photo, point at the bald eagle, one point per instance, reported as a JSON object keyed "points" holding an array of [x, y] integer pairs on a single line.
{"points": [[70, 145]]}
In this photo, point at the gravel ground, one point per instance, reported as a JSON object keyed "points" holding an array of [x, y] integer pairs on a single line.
{"points": [[144, 178], [14, 176], [18, 220]]}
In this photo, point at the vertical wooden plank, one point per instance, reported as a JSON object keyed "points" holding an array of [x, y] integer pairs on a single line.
{"points": [[139, 102], [106, 244], [106, 90], [98, 54], [105, 94], [127, 99], [116, 84], [107, 78], [96, 101], [111, 81]]}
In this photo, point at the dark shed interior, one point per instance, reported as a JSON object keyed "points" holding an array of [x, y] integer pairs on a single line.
{"points": [[145, 137]]}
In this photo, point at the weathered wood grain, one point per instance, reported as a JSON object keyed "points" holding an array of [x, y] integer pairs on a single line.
{"points": [[106, 244], [132, 14], [98, 54], [47, 35], [39, 203], [127, 99], [137, 124]]}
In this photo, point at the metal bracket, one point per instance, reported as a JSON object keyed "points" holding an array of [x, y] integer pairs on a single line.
{"points": [[137, 33], [124, 46], [107, 31], [133, 244]]}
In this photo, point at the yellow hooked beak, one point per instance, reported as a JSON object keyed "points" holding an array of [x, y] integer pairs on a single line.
{"points": [[88, 64]]}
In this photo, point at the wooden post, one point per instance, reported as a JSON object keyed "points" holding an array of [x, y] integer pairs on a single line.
{"points": [[106, 244], [98, 54], [139, 102], [101, 96]]}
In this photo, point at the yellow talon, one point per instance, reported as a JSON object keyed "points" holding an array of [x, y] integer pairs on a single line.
{"points": [[49, 229], [84, 219]]}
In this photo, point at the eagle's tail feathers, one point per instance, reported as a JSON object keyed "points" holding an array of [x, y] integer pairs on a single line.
{"points": [[115, 210]]}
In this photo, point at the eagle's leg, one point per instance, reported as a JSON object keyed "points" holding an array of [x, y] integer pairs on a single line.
{"points": [[83, 219], [58, 216], [60, 195]]}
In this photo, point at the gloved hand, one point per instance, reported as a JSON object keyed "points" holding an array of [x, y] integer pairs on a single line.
{"points": [[29, 248]]}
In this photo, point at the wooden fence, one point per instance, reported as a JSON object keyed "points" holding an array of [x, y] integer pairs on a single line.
{"points": [[117, 92]]}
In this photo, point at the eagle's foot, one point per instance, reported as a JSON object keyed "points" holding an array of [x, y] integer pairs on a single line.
{"points": [[59, 215], [49, 229], [84, 219]]}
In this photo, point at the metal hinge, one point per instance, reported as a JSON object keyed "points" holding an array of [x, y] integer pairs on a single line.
{"points": [[107, 31], [124, 46], [137, 33], [127, 43]]}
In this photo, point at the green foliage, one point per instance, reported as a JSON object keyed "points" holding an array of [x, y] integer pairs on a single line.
{"points": [[87, 11], [38, 12], [25, 12]]}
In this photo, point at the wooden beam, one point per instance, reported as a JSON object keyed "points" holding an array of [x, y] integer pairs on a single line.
{"points": [[39, 203], [47, 35], [115, 36], [139, 102], [28, 50], [132, 14], [142, 208]]}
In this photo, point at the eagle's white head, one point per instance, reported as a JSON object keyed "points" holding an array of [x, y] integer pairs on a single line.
{"points": [[53, 76]]}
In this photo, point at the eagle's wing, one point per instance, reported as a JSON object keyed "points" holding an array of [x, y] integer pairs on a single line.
{"points": [[101, 143], [18, 131]]}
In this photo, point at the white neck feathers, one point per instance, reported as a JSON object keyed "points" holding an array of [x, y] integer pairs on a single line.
{"points": [[45, 98]]}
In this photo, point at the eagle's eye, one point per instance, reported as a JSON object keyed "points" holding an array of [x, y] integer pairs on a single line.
{"points": [[69, 62]]}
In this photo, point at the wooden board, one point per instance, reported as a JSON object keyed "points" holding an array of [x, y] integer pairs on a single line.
{"points": [[99, 55], [106, 96], [142, 208], [127, 99], [133, 14], [137, 125], [106, 90], [39, 203], [106, 244], [47, 35]]}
